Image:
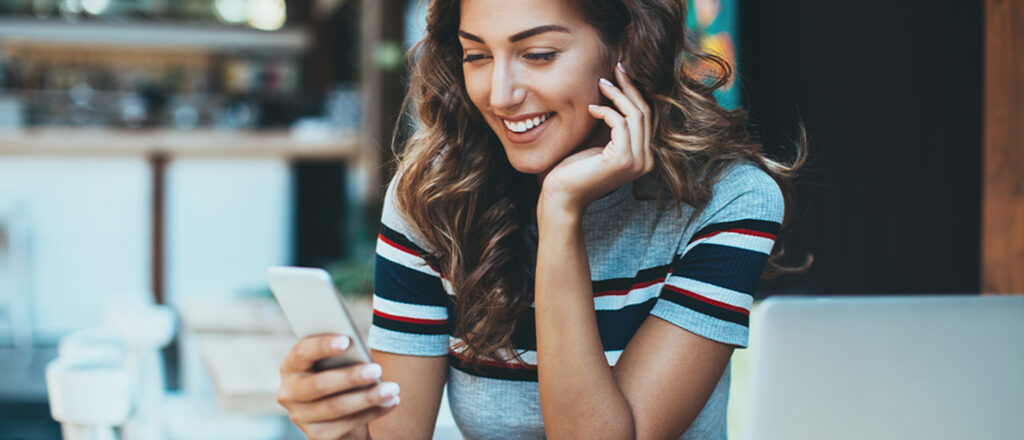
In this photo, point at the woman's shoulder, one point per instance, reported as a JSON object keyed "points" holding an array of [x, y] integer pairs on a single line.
{"points": [[744, 175], [394, 221], [391, 215], [745, 188]]}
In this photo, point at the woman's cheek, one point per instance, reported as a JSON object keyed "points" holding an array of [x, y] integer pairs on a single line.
{"points": [[477, 89]]}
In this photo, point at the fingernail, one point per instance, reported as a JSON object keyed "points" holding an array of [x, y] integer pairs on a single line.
{"points": [[593, 106], [394, 401], [388, 389], [606, 82], [340, 343], [619, 66], [371, 371]]}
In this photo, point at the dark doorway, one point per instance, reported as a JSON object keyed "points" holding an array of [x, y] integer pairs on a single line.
{"points": [[891, 96]]}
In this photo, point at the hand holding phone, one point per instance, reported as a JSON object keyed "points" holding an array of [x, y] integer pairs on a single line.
{"points": [[313, 306], [328, 385]]}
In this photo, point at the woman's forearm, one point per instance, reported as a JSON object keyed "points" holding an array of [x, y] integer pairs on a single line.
{"points": [[578, 393]]}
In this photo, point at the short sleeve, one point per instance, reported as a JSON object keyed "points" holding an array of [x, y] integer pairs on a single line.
{"points": [[710, 285], [410, 304]]}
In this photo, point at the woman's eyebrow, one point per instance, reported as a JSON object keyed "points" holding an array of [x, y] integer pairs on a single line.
{"points": [[537, 30], [521, 35]]}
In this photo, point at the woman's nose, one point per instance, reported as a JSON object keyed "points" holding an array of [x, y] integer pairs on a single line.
{"points": [[507, 89]]}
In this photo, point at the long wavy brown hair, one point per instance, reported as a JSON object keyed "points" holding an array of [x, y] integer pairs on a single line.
{"points": [[457, 189]]}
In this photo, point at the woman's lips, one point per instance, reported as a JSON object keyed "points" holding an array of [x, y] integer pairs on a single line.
{"points": [[528, 135]]}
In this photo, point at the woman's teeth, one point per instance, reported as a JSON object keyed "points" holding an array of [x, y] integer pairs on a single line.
{"points": [[527, 125]]}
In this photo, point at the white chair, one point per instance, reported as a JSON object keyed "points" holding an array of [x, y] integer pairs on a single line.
{"points": [[144, 329], [89, 391], [112, 376]]}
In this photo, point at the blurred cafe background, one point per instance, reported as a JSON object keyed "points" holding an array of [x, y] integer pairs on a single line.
{"points": [[156, 156]]}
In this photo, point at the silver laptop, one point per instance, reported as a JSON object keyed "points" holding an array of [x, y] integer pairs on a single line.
{"points": [[922, 367]]}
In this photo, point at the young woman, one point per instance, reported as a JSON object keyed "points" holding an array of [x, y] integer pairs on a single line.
{"points": [[571, 242]]}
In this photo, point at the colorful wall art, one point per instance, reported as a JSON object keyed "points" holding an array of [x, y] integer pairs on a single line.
{"points": [[716, 25]]}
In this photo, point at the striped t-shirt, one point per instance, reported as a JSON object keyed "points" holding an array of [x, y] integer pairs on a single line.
{"points": [[695, 269]]}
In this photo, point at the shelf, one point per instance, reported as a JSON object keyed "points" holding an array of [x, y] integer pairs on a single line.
{"points": [[174, 143], [164, 36]]}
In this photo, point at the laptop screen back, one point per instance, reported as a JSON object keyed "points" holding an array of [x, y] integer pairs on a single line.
{"points": [[925, 367]]}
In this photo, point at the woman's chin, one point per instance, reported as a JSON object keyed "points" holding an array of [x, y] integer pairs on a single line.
{"points": [[530, 166]]}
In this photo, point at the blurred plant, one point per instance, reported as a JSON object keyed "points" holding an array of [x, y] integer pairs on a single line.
{"points": [[353, 275]]}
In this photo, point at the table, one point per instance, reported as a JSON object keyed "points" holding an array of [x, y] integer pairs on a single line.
{"points": [[241, 344]]}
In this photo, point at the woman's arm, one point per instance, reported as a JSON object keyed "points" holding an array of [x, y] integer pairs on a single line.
{"points": [[421, 380], [665, 374], [579, 397], [660, 383], [409, 335]]}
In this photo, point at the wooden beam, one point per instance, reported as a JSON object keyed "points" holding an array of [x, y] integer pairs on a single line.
{"points": [[158, 165], [372, 12], [1002, 261], [383, 90]]}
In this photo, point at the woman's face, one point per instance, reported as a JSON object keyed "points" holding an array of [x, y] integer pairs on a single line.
{"points": [[532, 67]]}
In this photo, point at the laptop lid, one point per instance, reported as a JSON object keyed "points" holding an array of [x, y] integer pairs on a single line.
{"points": [[921, 367]]}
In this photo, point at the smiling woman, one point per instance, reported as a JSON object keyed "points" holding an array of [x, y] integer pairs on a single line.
{"points": [[575, 200], [528, 79]]}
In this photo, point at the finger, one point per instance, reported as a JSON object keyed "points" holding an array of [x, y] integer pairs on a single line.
{"points": [[630, 89], [339, 428], [633, 117], [344, 404], [309, 350], [313, 387], [619, 149]]}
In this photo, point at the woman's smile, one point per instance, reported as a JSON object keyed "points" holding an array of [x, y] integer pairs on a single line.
{"points": [[526, 128]]}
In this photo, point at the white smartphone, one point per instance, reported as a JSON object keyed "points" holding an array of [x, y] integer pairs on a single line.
{"points": [[313, 306]]}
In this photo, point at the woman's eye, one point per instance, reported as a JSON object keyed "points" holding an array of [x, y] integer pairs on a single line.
{"points": [[471, 58], [541, 56]]}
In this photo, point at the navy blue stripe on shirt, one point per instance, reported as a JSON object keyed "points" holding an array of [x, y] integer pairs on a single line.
{"points": [[396, 282], [687, 299], [411, 327], [615, 327], [399, 239], [615, 286], [724, 266]]}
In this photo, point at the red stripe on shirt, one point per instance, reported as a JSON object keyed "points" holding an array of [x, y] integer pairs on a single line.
{"points": [[408, 251], [407, 319], [636, 286], [397, 246], [750, 232], [707, 300]]}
